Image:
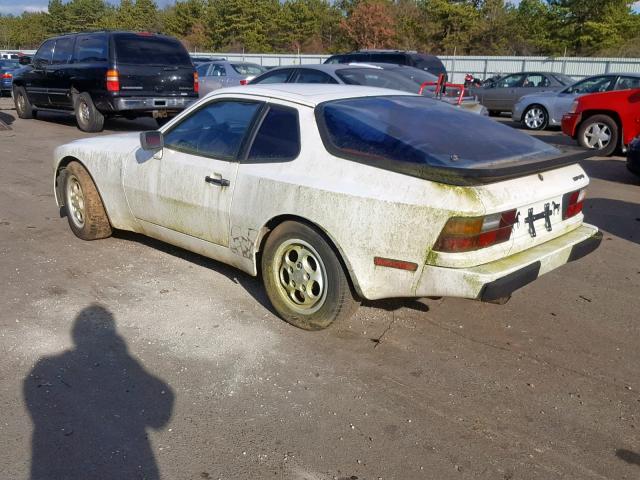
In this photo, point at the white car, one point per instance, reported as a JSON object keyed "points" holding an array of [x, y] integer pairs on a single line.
{"points": [[337, 193]]}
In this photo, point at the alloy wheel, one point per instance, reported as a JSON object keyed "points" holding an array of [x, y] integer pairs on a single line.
{"points": [[302, 276], [597, 135], [534, 118], [75, 201]]}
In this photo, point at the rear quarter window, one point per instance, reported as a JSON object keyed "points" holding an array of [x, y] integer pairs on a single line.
{"points": [[92, 48], [142, 49], [278, 138]]}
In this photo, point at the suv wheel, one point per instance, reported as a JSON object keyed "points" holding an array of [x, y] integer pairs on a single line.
{"points": [[22, 103], [88, 116], [599, 132]]}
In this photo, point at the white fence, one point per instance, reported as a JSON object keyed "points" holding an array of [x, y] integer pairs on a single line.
{"points": [[458, 66]]}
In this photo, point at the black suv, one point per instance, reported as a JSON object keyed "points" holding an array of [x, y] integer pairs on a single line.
{"points": [[430, 63], [102, 74]]}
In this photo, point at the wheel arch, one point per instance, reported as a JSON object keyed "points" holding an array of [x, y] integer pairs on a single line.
{"points": [[272, 223], [531, 105], [586, 115], [58, 184]]}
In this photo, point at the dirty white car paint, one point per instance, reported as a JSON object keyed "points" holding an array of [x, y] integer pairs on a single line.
{"points": [[366, 211]]}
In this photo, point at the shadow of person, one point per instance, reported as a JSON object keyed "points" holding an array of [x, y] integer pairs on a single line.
{"points": [[91, 406]]}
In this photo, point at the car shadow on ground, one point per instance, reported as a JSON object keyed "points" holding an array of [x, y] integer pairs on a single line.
{"points": [[110, 125], [617, 217], [628, 456], [253, 285], [612, 170], [92, 405], [7, 118]]}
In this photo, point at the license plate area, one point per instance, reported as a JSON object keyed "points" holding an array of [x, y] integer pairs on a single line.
{"points": [[538, 219]]}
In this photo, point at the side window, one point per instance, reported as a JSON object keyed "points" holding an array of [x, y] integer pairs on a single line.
{"points": [[306, 75], [592, 85], [279, 76], [217, 71], [278, 137], [510, 81], [92, 48], [216, 130], [535, 80], [626, 83], [63, 51], [45, 52], [202, 69], [336, 59]]}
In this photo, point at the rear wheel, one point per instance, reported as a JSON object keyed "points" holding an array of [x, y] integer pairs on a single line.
{"points": [[88, 116], [85, 211], [304, 278], [599, 132], [24, 109], [535, 117]]}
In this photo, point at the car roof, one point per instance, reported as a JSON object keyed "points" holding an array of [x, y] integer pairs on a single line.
{"points": [[327, 67], [309, 94]]}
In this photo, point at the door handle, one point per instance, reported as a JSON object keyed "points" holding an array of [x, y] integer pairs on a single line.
{"points": [[222, 182]]}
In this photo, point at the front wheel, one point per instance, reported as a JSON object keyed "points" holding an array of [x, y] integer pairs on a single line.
{"points": [[535, 117], [599, 132], [24, 109], [85, 211], [304, 279]]}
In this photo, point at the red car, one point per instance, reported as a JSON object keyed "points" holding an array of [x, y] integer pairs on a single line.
{"points": [[604, 121]]}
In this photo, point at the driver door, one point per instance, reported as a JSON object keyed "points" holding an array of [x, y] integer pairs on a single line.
{"points": [[502, 96], [190, 188]]}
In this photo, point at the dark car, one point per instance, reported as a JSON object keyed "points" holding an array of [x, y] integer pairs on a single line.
{"points": [[633, 156], [197, 60], [7, 69], [104, 74], [430, 63]]}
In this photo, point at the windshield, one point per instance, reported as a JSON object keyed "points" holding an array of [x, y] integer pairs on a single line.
{"points": [[591, 85], [418, 130], [248, 69], [144, 49], [374, 77]]}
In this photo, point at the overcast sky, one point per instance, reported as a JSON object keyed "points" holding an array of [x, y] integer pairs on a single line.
{"points": [[16, 7]]}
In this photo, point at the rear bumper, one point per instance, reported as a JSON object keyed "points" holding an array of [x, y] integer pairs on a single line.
{"points": [[499, 279], [149, 104], [569, 123]]}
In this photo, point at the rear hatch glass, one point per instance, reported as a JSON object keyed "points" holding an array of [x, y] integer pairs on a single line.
{"points": [[415, 135], [153, 64]]}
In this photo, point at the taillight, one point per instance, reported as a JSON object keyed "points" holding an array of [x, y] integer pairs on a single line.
{"points": [[463, 234], [7, 75], [572, 203], [196, 82], [244, 81], [113, 81]]}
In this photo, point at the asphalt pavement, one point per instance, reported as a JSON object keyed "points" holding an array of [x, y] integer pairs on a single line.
{"points": [[132, 357]]}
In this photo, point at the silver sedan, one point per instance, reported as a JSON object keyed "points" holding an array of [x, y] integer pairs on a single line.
{"points": [[540, 110], [222, 73]]}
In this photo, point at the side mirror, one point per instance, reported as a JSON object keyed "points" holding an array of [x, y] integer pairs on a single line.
{"points": [[24, 60], [151, 140]]}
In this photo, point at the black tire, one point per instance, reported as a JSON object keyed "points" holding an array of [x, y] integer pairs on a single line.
{"points": [[535, 117], [599, 125], [24, 109], [85, 211], [88, 117], [307, 304], [494, 113]]}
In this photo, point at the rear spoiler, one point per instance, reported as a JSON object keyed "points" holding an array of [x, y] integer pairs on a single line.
{"points": [[469, 176]]}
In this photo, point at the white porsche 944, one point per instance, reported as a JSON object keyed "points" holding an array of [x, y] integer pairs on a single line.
{"points": [[337, 193]]}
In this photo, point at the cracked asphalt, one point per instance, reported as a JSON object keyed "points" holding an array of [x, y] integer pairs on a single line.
{"points": [[128, 358]]}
